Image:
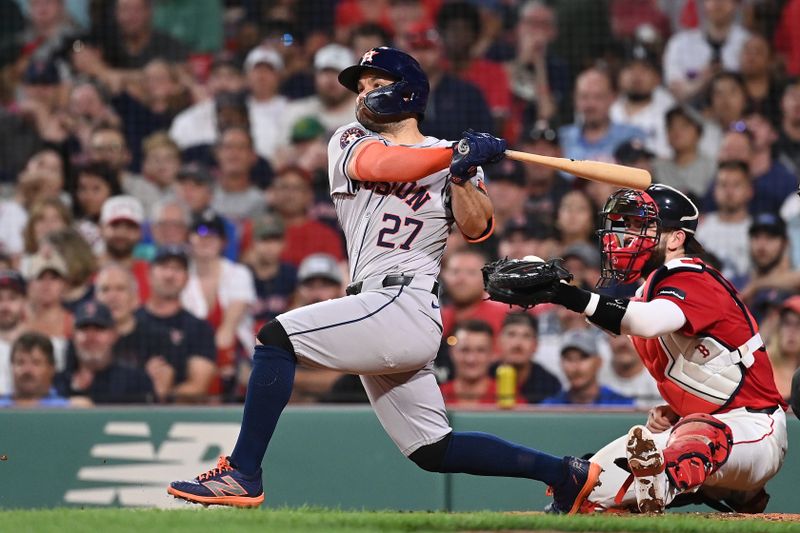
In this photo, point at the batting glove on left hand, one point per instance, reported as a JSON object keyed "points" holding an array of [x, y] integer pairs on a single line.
{"points": [[474, 149]]}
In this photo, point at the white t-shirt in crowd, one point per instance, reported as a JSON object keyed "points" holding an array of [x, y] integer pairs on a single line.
{"points": [[13, 219], [649, 119], [688, 53], [728, 241], [195, 126], [642, 387], [266, 124]]}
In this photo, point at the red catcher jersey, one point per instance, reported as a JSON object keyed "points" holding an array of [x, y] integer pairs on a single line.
{"points": [[712, 309]]}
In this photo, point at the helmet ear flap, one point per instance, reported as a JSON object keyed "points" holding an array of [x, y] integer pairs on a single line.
{"points": [[393, 99]]}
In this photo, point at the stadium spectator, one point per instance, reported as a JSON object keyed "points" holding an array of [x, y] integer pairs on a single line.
{"points": [[221, 292], [581, 364], [764, 89], [693, 56], [33, 369], [450, 96], [788, 145], [191, 350], [94, 184], [506, 187], [170, 223], [528, 236], [235, 197], [80, 261], [517, 346], [575, 218], [643, 102], [94, 373], [594, 136], [459, 24], [540, 81], [583, 261], [751, 141], [545, 186], [633, 153], [12, 322], [13, 219], [49, 28], [724, 232], [197, 125], [290, 196], [307, 148], [366, 37], [630, 19], [46, 276], [319, 278], [727, 104], [472, 354], [41, 179], [332, 103], [263, 68], [44, 94], [140, 344], [689, 169], [769, 257], [88, 108], [627, 375], [107, 145], [784, 350], [463, 282], [121, 228], [787, 42], [196, 191], [44, 217], [275, 280]]}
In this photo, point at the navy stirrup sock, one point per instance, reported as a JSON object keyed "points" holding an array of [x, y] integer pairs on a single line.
{"points": [[268, 392], [482, 454]]}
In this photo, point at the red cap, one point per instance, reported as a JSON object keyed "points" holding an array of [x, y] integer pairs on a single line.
{"points": [[422, 35], [792, 304]]}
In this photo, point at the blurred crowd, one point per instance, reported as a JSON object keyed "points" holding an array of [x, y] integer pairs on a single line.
{"points": [[164, 190]]}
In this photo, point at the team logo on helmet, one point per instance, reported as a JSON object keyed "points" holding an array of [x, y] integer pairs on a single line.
{"points": [[351, 134], [368, 55]]}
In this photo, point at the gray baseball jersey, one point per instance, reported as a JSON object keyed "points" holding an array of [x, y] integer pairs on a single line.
{"points": [[388, 335]]}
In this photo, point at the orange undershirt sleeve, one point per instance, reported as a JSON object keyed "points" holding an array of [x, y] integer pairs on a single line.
{"points": [[377, 162]]}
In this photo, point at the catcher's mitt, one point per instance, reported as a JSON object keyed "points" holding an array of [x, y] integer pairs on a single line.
{"points": [[524, 283]]}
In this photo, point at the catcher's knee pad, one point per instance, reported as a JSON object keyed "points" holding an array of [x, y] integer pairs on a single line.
{"points": [[273, 334], [697, 447], [431, 456]]}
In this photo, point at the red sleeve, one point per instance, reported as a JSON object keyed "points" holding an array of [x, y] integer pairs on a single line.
{"points": [[696, 295]]}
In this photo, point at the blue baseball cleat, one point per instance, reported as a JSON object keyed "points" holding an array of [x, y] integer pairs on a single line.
{"points": [[569, 497], [222, 485]]}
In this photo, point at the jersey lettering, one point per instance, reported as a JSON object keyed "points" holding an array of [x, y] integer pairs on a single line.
{"points": [[419, 194]]}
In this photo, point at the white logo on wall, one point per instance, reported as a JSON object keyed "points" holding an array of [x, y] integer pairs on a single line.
{"points": [[143, 482]]}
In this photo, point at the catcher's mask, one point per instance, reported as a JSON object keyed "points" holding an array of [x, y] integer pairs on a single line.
{"points": [[629, 231], [632, 223]]}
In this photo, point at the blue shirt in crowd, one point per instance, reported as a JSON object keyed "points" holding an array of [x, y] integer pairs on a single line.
{"points": [[606, 397], [51, 400], [575, 146]]}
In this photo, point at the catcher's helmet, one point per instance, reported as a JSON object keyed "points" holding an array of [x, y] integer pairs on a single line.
{"points": [[631, 223], [408, 94]]}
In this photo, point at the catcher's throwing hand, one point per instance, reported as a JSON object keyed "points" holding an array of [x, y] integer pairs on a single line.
{"points": [[474, 149], [524, 282]]}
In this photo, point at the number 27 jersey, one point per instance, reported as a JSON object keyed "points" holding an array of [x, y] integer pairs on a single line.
{"points": [[390, 227]]}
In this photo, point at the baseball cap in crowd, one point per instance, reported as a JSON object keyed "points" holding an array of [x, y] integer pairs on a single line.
{"points": [[638, 53], [686, 112], [41, 72], [170, 252], [333, 57], [632, 151], [209, 222], [541, 130], [506, 170], [320, 266], [48, 261], [262, 55], [768, 223], [581, 340], [307, 129], [269, 226], [195, 172], [122, 207], [11, 279], [586, 253], [791, 304], [93, 313], [422, 35]]}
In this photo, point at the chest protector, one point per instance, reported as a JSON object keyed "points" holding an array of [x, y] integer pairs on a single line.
{"points": [[702, 373]]}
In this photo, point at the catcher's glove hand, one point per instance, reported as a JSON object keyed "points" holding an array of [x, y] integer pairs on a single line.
{"points": [[524, 283]]}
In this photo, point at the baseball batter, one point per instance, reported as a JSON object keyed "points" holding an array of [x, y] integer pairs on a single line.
{"points": [[722, 433], [397, 193]]}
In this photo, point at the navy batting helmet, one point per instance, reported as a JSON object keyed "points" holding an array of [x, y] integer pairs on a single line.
{"points": [[408, 94]]}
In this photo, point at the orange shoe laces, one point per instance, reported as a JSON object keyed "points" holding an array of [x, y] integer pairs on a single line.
{"points": [[222, 466]]}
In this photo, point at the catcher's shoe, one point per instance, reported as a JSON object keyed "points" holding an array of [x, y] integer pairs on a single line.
{"points": [[222, 485], [646, 462], [571, 496]]}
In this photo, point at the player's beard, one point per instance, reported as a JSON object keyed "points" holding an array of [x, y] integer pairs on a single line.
{"points": [[657, 258], [377, 123]]}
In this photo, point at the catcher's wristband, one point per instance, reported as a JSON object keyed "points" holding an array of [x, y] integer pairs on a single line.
{"points": [[607, 312], [572, 297]]}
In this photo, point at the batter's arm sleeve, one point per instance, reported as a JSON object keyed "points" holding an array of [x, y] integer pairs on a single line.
{"points": [[374, 161]]}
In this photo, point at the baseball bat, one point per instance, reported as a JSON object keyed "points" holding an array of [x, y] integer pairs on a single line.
{"points": [[628, 177]]}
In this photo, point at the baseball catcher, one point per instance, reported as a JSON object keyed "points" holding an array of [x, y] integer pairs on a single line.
{"points": [[721, 434]]}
